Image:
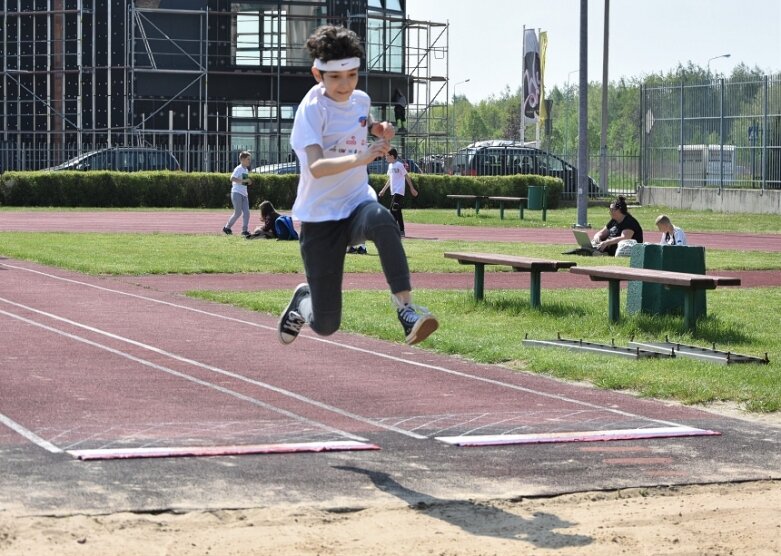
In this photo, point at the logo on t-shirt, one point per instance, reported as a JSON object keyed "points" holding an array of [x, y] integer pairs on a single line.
{"points": [[362, 120]]}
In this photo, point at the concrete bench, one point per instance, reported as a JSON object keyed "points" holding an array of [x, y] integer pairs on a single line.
{"points": [[691, 283], [535, 268]]}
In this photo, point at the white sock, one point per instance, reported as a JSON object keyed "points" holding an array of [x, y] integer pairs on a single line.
{"points": [[305, 308]]}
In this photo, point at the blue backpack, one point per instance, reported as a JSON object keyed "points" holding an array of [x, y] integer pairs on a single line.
{"points": [[283, 226]]}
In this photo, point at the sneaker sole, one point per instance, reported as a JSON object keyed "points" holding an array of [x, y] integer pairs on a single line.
{"points": [[289, 308], [424, 328]]}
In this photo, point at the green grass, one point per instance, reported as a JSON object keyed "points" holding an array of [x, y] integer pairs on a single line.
{"points": [[137, 254], [492, 332], [597, 216]]}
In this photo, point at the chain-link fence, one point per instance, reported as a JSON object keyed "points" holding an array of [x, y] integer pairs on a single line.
{"points": [[722, 133]]}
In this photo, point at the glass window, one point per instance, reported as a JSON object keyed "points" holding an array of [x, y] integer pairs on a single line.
{"points": [[394, 5], [375, 4]]}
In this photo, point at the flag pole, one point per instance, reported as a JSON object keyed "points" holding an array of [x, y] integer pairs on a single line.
{"points": [[523, 100]]}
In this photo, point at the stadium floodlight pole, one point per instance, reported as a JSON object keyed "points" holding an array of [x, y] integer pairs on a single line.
{"points": [[716, 58], [566, 126], [454, 104]]}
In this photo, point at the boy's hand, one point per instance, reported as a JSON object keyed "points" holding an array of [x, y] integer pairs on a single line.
{"points": [[384, 130], [414, 192]]}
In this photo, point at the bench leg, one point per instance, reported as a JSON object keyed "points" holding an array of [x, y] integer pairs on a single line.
{"points": [[689, 311], [479, 281], [521, 210], [458, 207], [534, 289], [613, 300], [501, 210], [477, 206]]}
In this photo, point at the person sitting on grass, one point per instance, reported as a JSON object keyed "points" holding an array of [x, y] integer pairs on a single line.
{"points": [[620, 227], [671, 235], [268, 217]]}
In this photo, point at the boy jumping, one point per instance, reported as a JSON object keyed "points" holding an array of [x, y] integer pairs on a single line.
{"points": [[335, 203]]}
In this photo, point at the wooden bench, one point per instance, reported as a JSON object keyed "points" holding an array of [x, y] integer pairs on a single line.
{"points": [[479, 199], [502, 200], [535, 267], [690, 282], [472, 198]]}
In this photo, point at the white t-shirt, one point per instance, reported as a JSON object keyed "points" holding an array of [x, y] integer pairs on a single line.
{"points": [[396, 173], [340, 128], [238, 173], [678, 237]]}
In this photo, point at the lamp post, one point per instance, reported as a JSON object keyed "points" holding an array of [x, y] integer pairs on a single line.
{"points": [[716, 58], [454, 103]]}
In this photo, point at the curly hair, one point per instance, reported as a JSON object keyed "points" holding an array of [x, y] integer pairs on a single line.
{"points": [[332, 42]]}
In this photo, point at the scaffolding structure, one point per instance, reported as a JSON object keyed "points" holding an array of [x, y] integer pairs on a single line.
{"points": [[84, 74]]}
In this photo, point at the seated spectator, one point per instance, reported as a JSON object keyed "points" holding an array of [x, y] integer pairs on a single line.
{"points": [[671, 235], [621, 226], [268, 216]]}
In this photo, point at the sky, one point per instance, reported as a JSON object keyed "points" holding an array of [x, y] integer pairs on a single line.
{"points": [[645, 37]]}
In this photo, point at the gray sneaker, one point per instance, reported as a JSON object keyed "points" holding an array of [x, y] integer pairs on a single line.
{"points": [[291, 321], [418, 323]]}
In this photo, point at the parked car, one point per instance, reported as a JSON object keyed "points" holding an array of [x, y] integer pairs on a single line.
{"points": [[122, 159], [506, 158], [281, 168]]}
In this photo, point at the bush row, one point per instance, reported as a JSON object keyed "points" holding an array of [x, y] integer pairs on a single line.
{"points": [[202, 190]]}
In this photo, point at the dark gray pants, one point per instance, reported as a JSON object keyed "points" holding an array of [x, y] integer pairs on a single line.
{"points": [[323, 247]]}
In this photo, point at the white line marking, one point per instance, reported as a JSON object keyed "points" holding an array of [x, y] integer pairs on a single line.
{"points": [[582, 436], [361, 350], [198, 381], [29, 435], [183, 451], [217, 370]]}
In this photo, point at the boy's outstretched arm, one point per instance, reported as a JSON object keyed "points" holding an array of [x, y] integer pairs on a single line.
{"points": [[320, 166]]}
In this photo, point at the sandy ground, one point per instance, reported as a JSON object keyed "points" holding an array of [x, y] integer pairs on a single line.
{"points": [[701, 519]]}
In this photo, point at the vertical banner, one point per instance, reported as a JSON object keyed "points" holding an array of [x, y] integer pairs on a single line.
{"points": [[531, 76], [543, 50]]}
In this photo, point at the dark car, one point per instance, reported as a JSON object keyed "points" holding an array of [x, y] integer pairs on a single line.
{"points": [[506, 158], [122, 159]]}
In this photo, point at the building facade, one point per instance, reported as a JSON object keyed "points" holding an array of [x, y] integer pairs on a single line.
{"points": [[200, 78]]}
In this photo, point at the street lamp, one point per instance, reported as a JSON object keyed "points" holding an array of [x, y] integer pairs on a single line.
{"points": [[454, 102], [716, 58]]}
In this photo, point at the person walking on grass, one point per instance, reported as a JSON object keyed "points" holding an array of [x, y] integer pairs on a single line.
{"points": [[335, 203], [398, 179], [239, 195]]}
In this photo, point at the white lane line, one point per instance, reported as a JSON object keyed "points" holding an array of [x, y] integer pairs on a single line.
{"points": [[367, 351], [198, 381], [576, 436], [29, 435], [217, 370]]}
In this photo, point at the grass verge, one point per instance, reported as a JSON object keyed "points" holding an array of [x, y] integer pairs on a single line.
{"points": [[492, 332]]}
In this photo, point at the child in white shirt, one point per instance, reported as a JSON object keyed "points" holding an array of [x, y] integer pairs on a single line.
{"points": [[671, 235], [335, 203], [398, 179], [239, 195]]}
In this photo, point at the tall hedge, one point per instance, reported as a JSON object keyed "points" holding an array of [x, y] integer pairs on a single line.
{"points": [[202, 190]]}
